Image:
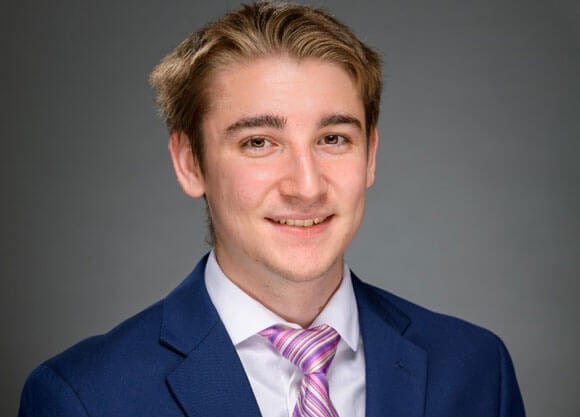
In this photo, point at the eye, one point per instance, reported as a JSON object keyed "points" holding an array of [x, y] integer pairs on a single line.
{"points": [[257, 145], [334, 140], [256, 142]]}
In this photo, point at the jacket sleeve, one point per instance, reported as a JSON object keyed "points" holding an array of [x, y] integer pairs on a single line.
{"points": [[46, 394], [511, 404]]}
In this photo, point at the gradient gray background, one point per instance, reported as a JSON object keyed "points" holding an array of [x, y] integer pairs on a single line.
{"points": [[474, 212]]}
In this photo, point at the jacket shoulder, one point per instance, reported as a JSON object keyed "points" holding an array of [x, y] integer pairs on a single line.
{"points": [[468, 367], [432, 330], [136, 335], [103, 373]]}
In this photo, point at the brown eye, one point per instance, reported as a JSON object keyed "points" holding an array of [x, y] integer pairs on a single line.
{"points": [[257, 142], [257, 146], [333, 140]]}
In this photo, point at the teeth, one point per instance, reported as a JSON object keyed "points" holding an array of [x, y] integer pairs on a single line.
{"points": [[301, 223]]}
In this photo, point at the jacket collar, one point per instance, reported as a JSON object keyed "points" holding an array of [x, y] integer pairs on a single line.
{"points": [[396, 368], [211, 379]]}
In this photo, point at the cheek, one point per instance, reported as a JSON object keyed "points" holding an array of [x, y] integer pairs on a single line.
{"points": [[350, 178], [242, 187]]}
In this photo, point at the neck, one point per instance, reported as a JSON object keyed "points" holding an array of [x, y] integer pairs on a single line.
{"points": [[296, 299], [299, 303]]}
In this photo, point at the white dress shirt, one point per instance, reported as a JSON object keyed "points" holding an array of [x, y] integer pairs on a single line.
{"points": [[275, 381]]}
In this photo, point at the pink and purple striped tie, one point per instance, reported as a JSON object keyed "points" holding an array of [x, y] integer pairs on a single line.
{"points": [[312, 350]]}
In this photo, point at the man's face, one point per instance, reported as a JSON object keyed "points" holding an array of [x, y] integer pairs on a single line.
{"points": [[286, 169]]}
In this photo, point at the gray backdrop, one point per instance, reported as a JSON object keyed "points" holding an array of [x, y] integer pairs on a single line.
{"points": [[474, 213]]}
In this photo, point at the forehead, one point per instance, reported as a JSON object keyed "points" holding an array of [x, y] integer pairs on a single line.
{"points": [[282, 85]]}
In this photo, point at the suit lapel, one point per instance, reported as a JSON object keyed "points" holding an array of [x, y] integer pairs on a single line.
{"points": [[396, 369], [211, 379]]}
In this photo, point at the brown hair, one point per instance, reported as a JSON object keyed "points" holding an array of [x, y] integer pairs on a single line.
{"points": [[182, 79]]}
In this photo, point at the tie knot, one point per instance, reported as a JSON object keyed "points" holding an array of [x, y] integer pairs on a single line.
{"points": [[311, 349]]}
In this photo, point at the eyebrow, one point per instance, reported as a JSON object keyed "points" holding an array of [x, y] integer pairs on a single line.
{"points": [[277, 122], [340, 119], [265, 120]]}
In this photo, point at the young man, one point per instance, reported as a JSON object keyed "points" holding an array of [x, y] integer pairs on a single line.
{"points": [[272, 113]]}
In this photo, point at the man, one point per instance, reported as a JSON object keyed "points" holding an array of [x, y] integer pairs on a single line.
{"points": [[272, 113]]}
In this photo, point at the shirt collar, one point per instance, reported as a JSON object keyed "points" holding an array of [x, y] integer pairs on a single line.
{"points": [[244, 317]]}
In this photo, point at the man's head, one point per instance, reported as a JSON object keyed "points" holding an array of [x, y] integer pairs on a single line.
{"points": [[183, 79], [272, 112]]}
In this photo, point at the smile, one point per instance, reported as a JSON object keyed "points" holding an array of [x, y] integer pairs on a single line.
{"points": [[301, 222]]}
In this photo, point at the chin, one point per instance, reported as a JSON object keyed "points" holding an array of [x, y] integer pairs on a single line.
{"points": [[309, 270]]}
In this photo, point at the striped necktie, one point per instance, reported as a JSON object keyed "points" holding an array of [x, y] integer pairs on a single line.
{"points": [[312, 350]]}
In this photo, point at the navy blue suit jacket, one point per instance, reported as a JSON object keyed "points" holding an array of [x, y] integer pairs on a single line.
{"points": [[176, 359]]}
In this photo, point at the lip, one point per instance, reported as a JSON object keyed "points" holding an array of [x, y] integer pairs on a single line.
{"points": [[301, 225], [300, 220]]}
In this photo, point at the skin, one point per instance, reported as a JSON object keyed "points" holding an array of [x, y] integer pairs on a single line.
{"points": [[285, 143]]}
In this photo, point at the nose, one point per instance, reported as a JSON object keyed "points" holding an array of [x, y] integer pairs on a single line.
{"points": [[305, 179]]}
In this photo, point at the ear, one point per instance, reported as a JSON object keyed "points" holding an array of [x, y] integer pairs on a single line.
{"points": [[187, 168], [372, 155]]}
